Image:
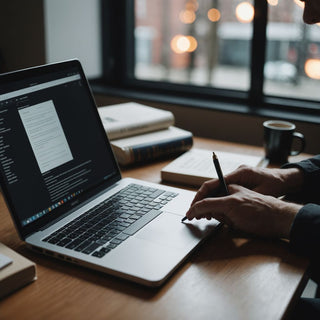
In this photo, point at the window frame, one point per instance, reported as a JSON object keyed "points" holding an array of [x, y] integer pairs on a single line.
{"points": [[117, 23]]}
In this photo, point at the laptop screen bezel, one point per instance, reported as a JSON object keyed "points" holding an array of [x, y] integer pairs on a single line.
{"points": [[6, 79]]}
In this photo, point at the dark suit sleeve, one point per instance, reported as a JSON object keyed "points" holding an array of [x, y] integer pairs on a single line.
{"points": [[305, 237], [310, 191], [305, 231]]}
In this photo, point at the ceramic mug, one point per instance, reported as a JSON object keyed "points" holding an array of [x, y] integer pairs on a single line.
{"points": [[278, 139]]}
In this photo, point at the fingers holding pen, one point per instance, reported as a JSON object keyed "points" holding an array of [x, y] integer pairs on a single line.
{"points": [[209, 208], [214, 187], [212, 207], [207, 188], [235, 209], [248, 211]]}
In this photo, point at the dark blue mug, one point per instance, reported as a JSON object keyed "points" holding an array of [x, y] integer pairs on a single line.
{"points": [[278, 140]]}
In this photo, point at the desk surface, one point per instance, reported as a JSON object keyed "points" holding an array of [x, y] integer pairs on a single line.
{"points": [[227, 277]]}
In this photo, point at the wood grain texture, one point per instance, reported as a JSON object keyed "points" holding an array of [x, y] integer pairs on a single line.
{"points": [[228, 277]]}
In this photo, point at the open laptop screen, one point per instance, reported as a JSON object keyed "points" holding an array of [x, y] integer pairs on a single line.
{"points": [[53, 148]]}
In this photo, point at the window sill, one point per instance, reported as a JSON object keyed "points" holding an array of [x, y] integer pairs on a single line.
{"points": [[274, 109]]}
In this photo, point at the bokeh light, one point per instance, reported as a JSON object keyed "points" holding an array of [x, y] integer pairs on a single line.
{"points": [[187, 16], [312, 68], [245, 12], [214, 15], [181, 44], [192, 5], [193, 44]]}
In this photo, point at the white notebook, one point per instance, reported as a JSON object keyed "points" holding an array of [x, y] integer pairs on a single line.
{"points": [[129, 119], [196, 166]]}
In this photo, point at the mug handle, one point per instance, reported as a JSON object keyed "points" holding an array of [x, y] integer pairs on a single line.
{"points": [[300, 137]]}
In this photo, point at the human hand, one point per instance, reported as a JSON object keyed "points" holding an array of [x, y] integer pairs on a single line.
{"points": [[274, 182], [248, 211]]}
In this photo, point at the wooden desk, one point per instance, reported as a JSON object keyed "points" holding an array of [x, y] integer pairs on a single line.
{"points": [[228, 277]]}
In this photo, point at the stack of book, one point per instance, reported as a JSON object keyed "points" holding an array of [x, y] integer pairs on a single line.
{"points": [[140, 133]]}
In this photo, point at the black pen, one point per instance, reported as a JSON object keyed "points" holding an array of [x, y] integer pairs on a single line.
{"points": [[223, 184]]}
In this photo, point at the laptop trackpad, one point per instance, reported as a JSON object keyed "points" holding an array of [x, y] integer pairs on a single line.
{"points": [[168, 230]]}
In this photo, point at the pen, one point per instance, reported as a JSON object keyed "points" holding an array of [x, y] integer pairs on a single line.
{"points": [[223, 184]]}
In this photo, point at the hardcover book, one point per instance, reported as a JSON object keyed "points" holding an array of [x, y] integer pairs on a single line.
{"points": [[128, 119], [152, 146]]}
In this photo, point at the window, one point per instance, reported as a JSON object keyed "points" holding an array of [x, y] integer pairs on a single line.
{"points": [[257, 53], [292, 67], [195, 42]]}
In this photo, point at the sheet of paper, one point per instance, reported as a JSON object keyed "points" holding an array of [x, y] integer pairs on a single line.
{"points": [[46, 135]]}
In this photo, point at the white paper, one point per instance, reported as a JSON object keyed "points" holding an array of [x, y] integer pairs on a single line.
{"points": [[46, 136], [198, 162]]}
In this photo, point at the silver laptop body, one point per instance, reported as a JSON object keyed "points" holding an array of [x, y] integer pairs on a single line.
{"points": [[59, 177]]}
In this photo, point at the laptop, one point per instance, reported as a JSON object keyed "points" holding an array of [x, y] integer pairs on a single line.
{"points": [[64, 189]]}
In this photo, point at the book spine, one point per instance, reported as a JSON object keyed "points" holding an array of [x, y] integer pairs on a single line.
{"points": [[149, 152]]}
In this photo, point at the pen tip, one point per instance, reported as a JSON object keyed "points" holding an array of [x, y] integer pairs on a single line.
{"points": [[184, 219], [214, 156]]}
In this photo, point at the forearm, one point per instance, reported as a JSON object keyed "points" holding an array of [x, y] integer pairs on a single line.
{"points": [[292, 180], [286, 218]]}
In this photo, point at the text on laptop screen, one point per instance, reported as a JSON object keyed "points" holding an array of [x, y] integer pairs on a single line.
{"points": [[47, 134]]}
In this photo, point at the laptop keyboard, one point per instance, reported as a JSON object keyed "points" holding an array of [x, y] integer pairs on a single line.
{"points": [[105, 226]]}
